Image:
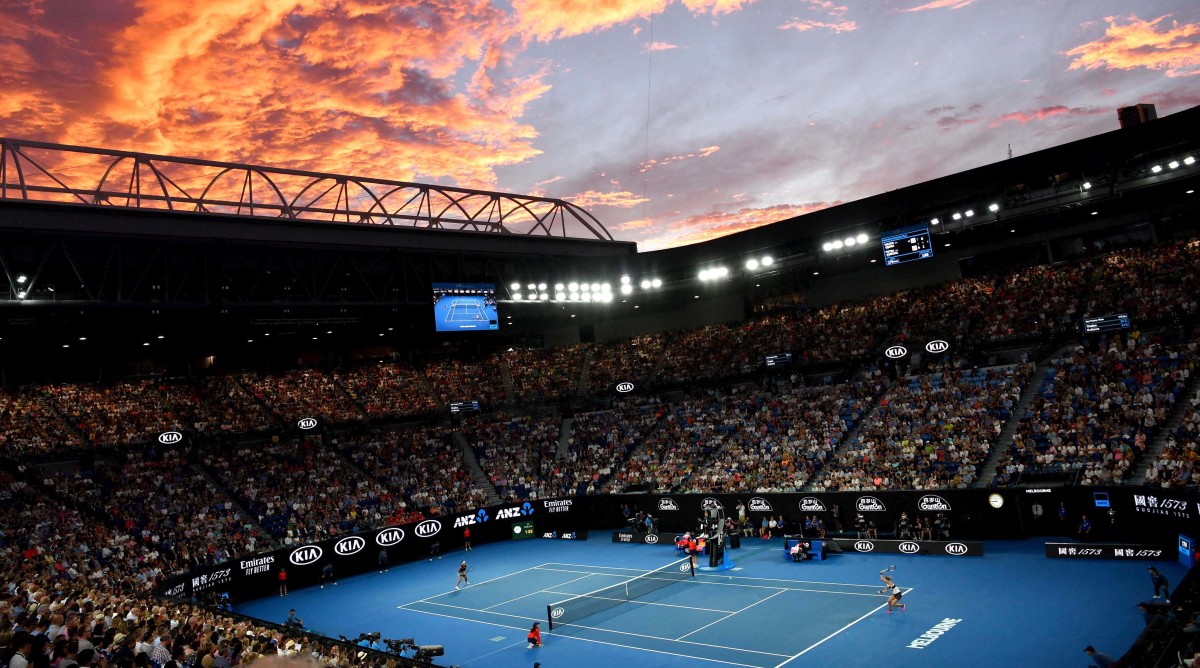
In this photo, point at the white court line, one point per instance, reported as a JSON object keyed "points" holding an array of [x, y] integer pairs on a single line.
{"points": [[732, 614], [818, 643], [536, 593], [736, 577], [610, 644], [596, 628], [633, 601], [516, 644], [712, 583], [531, 568]]}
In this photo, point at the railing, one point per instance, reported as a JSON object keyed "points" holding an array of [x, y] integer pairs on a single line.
{"points": [[56, 173]]}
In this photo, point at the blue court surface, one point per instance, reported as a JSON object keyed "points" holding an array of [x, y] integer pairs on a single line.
{"points": [[1015, 608], [465, 312]]}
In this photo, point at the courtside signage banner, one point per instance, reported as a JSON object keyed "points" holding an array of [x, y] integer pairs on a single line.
{"points": [[642, 538], [522, 530], [953, 548], [1108, 551]]}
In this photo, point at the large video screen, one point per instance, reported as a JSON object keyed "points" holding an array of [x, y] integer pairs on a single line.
{"points": [[906, 244], [465, 307]]}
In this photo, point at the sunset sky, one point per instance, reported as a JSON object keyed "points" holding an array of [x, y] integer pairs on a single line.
{"points": [[672, 121]]}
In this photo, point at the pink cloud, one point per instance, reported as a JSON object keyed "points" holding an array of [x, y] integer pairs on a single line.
{"points": [[1173, 49], [661, 46], [940, 4], [1043, 113], [591, 198], [806, 25]]}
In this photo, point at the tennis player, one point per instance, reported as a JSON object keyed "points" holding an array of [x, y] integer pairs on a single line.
{"points": [[894, 594], [462, 575]]}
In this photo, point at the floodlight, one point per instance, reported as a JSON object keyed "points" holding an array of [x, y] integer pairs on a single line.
{"points": [[861, 238], [515, 286], [934, 221], [544, 296], [704, 274], [969, 213], [605, 287], [1156, 169], [1174, 164], [606, 297], [587, 296], [646, 284], [21, 278], [1189, 160], [595, 287], [559, 287], [827, 246], [657, 283], [573, 287], [837, 245], [574, 296], [516, 296], [584, 287], [532, 287], [993, 207], [768, 260], [1087, 185], [850, 242], [625, 280], [541, 286], [957, 216], [626, 289], [752, 264]]}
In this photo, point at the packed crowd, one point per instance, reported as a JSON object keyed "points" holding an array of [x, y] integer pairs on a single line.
{"points": [[545, 375], [1028, 304], [518, 454], [425, 467], [1098, 408], [599, 445], [300, 490], [174, 509], [930, 431], [1176, 466], [75, 590]]}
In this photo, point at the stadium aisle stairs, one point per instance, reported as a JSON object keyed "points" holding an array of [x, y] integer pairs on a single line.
{"points": [[564, 438], [1028, 392], [850, 437], [585, 380], [231, 498], [510, 390], [481, 478], [1160, 439]]}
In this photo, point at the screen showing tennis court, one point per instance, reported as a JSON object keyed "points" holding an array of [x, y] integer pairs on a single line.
{"points": [[464, 307]]}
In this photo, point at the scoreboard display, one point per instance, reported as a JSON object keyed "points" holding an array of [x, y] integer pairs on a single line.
{"points": [[1106, 323], [457, 407], [906, 244], [780, 360]]}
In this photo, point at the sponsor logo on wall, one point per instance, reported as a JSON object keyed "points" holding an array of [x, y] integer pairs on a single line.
{"points": [[307, 423], [709, 503], [651, 539], [760, 505], [932, 502], [256, 565], [956, 549], [428, 529], [896, 352], [208, 581], [389, 537], [170, 437], [864, 545], [1150, 504], [561, 506], [349, 545], [667, 504], [624, 387], [303, 556], [869, 504], [811, 504], [937, 346], [909, 547]]}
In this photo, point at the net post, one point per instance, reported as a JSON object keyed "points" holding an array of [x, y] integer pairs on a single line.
{"points": [[550, 617]]}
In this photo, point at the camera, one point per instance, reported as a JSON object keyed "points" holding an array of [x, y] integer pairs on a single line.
{"points": [[400, 646]]}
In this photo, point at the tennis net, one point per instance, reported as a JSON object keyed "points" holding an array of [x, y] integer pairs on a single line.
{"points": [[577, 607]]}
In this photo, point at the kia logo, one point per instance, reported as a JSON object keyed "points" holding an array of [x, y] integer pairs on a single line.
{"points": [[170, 437], [896, 352], [864, 545], [956, 549], [389, 537], [909, 547], [309, 554], [557, 612], [428, 528], [307, 423], [938, 346], [624, 387], [348, 546], [651, 539]]}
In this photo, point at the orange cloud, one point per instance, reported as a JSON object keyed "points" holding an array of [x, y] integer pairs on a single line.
{"points": [[590, 198], [1174, 49], [347, 86], [806, 25], [547, 19], [629, 225], [1047, 112], [940, 4], [654, 163], [661, 46], [705, 227]]}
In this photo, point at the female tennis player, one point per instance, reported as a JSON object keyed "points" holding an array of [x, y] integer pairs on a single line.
{"points": [[462, 575], [895, 594]]}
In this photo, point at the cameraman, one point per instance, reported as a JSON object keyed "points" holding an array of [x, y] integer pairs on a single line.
{"points": [[370, 641]]}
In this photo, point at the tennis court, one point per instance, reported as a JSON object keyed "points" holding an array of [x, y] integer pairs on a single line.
{"points": [[770, 613], [463, 309], [710, 617]]}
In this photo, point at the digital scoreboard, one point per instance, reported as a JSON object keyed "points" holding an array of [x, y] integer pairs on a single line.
{"points": [[906, 244], [1106, 323], [780, 360], [457, 407]]}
